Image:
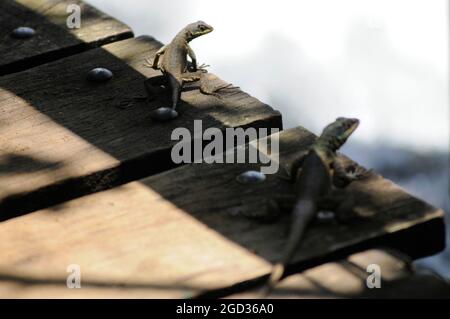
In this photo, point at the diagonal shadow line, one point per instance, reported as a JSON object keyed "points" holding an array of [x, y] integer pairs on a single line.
{"points": [[11, 163], [92, 112], [395, 241], [98, 124], [31, 281]]}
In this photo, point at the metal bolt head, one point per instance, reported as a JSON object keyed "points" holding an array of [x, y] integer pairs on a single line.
{"points": [[251, 177], [325, 216], [23, 33], [163, 114], [99, 75]]}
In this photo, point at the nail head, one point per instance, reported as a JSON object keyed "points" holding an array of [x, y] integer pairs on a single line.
{"points": [[251, 177], [163, 114], [99, 75], [325, 215], [23, 33]]}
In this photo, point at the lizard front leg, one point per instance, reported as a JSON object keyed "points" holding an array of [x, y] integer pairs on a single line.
{"points": [[194, 66], [191, 54], [154, 64]]}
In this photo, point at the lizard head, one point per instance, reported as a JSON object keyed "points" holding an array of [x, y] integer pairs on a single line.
{"points": [[196, 29], [336, 134]]}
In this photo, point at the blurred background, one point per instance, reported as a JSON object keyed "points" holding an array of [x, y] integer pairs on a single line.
{"points": [[384, 62]]}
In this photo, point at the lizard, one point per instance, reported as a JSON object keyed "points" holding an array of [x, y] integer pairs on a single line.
{"points": [[171, 59], [319, 176]]}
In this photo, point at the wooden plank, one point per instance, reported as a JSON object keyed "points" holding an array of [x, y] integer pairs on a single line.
{"points": [[53, 39], [195, 230], [129, 242], [62, 137], [347, 278]]}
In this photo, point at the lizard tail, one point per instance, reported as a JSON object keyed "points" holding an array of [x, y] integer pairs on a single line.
{"points": [[275, 277], [176, 86], [304, 211]]}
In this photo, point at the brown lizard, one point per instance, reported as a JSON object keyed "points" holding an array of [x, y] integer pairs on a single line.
{"points": [[171, 59]]}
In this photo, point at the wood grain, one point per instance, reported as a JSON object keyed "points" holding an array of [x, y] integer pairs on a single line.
{"points": [[194, 230], [62, 137], [53, 39]]}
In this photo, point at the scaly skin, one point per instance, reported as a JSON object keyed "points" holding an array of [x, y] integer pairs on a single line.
{"points": [[316, 176], [174, 64]]}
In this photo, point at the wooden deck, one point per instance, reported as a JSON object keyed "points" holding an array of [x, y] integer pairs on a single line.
{"points": [[86, 178]]}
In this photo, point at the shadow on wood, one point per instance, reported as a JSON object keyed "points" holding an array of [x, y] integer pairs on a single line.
{"points": [[102, 134], [348, 278], [193, 226], [53, 40]]}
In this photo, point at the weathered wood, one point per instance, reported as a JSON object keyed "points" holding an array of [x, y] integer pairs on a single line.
{"points": [[62, 136], [187, 231], [347, 278], [128, 239], [53, 39]]}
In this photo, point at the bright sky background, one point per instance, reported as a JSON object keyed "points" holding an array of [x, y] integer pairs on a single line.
{"points": [[385, 62]]}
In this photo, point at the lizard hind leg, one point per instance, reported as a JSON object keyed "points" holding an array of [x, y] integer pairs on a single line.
{"points": [[214, 91], [191, 77], [276, 208], [344, 175], [272, 212], [342, 204], [282, 203], [356, 172]]}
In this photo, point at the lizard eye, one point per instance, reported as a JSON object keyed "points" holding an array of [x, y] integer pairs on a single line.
{"points": [[201, 27]]}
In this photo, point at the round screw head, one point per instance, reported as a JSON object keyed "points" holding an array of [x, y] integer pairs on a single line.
{"points": [[99, 75], [325, 216], [163, 114], [251, 177], [23, 33]]}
